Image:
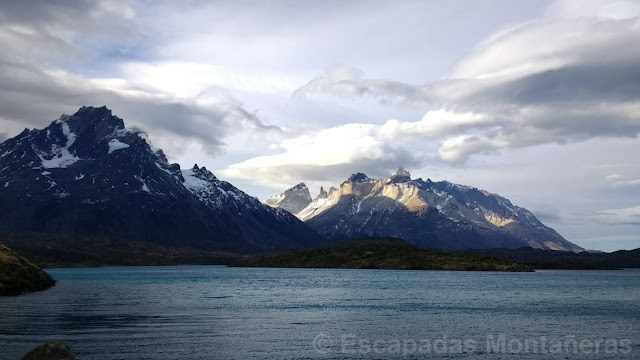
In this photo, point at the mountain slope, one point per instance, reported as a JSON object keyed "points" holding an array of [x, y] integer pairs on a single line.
{"points": [[438, 215], [293, 200], [87, 175]]}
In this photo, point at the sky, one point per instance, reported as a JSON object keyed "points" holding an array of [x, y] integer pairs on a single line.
{"points": [[538, 101]]}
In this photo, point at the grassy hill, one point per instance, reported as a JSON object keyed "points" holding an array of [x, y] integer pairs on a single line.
{"points": [[18, 275], [385, 253]]}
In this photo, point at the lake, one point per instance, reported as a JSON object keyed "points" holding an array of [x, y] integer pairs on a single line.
{"points": [[216, 312]]}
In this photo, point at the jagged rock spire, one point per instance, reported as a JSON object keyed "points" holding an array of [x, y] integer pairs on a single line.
{"points": [[401, 176], [402, 172]]}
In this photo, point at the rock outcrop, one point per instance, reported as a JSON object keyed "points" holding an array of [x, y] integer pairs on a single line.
{"points": [[18, 275], [51, 350]]}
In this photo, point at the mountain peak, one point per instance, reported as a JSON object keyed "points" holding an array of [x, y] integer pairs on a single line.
{"points": [[358, 177], [401, 176], [98, 121], [402, 172], [293, 199], [300, 186], [90, 176]]}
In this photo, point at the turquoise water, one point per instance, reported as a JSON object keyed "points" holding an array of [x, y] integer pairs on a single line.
{"points": [[213, 312]]}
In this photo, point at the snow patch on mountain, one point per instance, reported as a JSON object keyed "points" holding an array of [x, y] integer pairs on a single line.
{"points": [[60, 156], [115, 144], [318, 206], [145, 187], [192, 182]]}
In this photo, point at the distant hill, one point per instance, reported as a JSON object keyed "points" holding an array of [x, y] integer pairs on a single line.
{"points": [[428, 214], [385, 253], [18, 275], [540, 259]]}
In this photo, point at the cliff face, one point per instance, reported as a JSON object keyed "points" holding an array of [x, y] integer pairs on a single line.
{"points": [[18, 275]]}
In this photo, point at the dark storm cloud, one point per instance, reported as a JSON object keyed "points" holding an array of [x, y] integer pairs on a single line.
{"points": [[103, 18]]}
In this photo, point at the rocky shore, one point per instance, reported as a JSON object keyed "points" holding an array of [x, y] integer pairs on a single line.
{"points": [[18, 275]]}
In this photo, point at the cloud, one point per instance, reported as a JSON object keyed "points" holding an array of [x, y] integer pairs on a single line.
{"points": [[629, 216], [547, 81], [602, 8], [66, 32], [622, 181], [326, 155], [342, 80], [206, 118], [35, 86]]}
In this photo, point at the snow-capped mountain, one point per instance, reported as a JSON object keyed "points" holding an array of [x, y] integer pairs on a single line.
{"points": [[87, 175], [428, 214], [293, 200]]}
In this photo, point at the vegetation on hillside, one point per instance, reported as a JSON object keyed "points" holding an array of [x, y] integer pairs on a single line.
{"points": [[547, 259], [385, 253]]}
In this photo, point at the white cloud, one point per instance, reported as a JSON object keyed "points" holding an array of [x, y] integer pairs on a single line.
{"points": [[599, 8], [546, 81], [341, 80], [622, 181], [629, 215], [328, 154], [188, 79]]}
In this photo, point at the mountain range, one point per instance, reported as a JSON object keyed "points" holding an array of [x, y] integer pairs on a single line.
{"points": [[93, 191], [86, 175], [428, 214]]}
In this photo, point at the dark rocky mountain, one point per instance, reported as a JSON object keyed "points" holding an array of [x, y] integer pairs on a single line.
{"points": [[88, 175], [293, 200], [436, 215]]}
